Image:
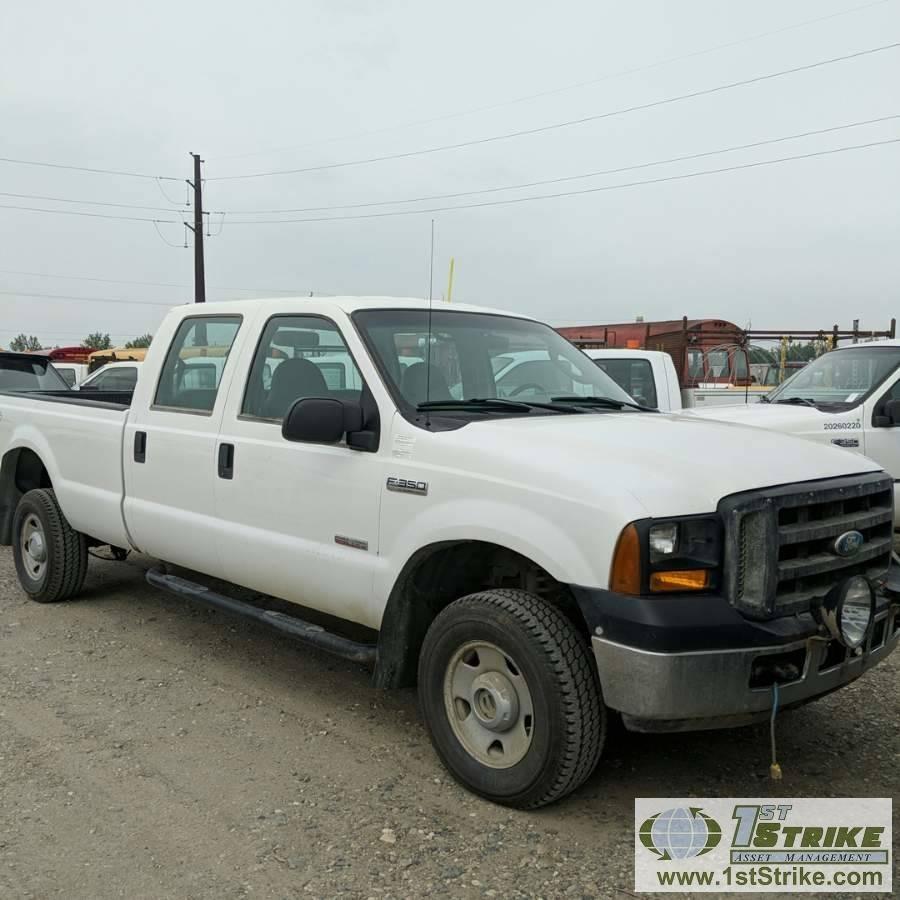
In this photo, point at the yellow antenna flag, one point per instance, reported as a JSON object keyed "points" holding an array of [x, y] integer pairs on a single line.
{"points": [[450, 280]]}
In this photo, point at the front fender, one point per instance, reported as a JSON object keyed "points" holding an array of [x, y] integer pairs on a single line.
{"points": [[575, 552]]}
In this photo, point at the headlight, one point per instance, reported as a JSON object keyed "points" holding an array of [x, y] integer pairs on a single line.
{"points": [[663, 539], [848, 611], [656, 556]]}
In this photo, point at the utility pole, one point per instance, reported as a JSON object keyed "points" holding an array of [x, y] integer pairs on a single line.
{"points": [[197, 229]]}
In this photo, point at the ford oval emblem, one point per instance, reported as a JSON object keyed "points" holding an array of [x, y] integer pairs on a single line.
{"points": [[848, 543]]}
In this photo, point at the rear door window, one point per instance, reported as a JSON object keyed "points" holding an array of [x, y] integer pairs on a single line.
{"points": [[634, 376], [195, 362]]}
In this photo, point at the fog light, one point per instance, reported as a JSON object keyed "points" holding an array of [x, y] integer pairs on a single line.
{"points": [[856, 611], [848, 611]]}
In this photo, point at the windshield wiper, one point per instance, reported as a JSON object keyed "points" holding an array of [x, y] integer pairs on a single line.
{"points": [[492, 403], [477, 403], [796, 401], [607, 402]]}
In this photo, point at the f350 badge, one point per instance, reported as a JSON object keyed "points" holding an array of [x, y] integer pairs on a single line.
{"points": [[407, 486]]}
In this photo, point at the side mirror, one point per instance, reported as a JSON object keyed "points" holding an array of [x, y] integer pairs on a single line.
{"points": [[317, 420]]}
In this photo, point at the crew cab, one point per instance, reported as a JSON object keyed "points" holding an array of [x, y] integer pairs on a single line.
{"points": [[848, 397], [534, 558]]}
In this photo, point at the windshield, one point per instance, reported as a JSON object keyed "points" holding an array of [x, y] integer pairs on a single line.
{"points": [[841, 376], [19, 373], [479, 355]]}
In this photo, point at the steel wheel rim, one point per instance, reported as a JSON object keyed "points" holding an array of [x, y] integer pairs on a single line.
{"points": [[488, 704], [33, 543]]}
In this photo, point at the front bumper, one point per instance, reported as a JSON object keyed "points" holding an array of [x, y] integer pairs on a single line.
{"points": [[658, 688]]}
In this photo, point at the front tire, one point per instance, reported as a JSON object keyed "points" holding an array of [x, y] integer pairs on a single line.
{"points": [[510, 698], [50, 556]]}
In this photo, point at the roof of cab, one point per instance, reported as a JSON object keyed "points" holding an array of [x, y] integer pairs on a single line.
{"points": [[345, 304]]}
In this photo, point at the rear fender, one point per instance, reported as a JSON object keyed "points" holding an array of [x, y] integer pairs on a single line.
{"points": [[10, 487]]}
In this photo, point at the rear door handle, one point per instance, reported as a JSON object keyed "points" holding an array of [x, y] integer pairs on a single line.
{"points": [[140, 446], [226, 461]]}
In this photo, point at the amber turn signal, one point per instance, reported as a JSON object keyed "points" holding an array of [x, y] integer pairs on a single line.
{"points": [[625, 574], [687, 580]]}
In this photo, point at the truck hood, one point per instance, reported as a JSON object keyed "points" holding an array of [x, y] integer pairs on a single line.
{"points": [[784, 417], [670, 464]]}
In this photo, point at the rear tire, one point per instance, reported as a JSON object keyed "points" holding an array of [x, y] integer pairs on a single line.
{"points": [[511, 699], [50, 556]]}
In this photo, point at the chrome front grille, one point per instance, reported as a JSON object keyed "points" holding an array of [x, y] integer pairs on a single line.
{"points": [[779, 548]]}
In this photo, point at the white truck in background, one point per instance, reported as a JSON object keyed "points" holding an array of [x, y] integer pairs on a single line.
{"points": [[511, 533], [647, 375], [848, 397], [651, 378]]}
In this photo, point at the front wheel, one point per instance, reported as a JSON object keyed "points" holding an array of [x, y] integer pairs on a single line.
{"points": [[510, 698], [50, 556]]}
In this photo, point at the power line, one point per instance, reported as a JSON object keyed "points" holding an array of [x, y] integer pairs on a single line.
{"points": [[168, 199], [572, 122], [609, 187], [169, 243], [90, 299], [47, 165], [564, 88], [71, 212], [168, 209], [171, 284], [565, 178]]}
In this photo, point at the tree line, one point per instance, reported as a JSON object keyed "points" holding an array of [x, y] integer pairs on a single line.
{"points": [[797, 351], [96, 340]]}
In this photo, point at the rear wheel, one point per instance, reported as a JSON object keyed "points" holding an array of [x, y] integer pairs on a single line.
{"points": [[510, 698], [50, 556]]}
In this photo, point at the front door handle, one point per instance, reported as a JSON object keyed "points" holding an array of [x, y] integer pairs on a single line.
{"points": [[226, 461], [140, 446]]}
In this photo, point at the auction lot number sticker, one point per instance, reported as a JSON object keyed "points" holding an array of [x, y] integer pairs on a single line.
{"points": [[762, 844]]}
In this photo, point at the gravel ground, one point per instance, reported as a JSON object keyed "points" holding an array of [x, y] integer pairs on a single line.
{"points": [[149, 749]]}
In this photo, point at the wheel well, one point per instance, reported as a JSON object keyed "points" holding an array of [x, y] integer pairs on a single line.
{"points": [[437, 575], [21, 471]]}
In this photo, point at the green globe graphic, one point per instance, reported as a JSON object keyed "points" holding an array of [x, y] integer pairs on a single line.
{"points": [[681, 833]]}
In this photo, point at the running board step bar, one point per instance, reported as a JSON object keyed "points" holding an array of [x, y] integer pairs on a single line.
{"points": [[294, 627]]}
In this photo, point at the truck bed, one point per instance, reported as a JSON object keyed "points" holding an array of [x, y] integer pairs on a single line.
{"points": [[105, 399], [78, 437]]}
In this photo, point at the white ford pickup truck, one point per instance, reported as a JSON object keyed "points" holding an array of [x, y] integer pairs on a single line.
{"points": [[531, 558]]}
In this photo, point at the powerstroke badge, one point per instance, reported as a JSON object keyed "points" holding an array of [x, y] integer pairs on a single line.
{"points": [[407, 486]]}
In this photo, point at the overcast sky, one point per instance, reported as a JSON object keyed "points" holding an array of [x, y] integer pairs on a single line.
{"points": [[286, 85]]}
